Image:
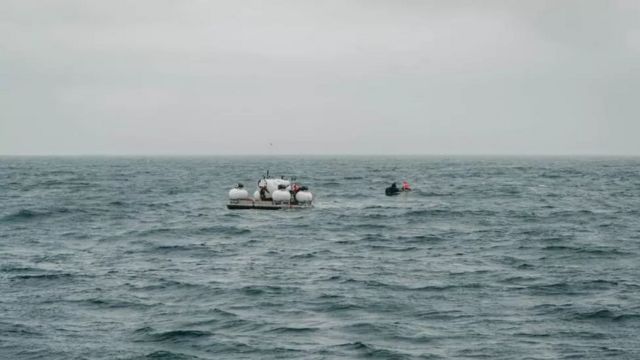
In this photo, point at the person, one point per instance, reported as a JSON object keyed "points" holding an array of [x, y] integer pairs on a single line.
{"points": [[406, 186], [263, 193], [262, 185], [392, 190]]}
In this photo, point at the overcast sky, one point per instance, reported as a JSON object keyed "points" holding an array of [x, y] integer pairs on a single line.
{"points": [[319, 77]]}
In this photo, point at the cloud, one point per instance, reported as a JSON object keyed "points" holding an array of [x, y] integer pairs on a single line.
{"points": [[319, 77]]}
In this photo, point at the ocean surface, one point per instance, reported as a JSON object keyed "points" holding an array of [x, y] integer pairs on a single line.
{"points": [[489, 258]]}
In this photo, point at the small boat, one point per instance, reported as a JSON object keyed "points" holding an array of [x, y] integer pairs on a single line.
{"points": [[272, 194], [394, 190]]}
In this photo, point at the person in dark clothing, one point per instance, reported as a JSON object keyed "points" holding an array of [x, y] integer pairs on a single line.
{"points": [[392, 190], [262, 188]]}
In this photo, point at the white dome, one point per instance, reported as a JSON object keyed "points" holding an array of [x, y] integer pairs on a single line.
{"points": [[281, 195], [238, 194], [304, 196]]}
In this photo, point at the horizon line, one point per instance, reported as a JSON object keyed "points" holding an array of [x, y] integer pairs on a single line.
{"points": [[322, 155]]}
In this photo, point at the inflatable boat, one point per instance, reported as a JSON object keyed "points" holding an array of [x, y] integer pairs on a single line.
{"points": [[393, 190]]}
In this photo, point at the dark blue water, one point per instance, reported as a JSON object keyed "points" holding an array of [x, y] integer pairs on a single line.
{"points": [[138, 258]]}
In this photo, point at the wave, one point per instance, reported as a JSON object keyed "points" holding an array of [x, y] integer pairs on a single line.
{"points": [[443, 315], [569, 213], [365, 328], [565, 334], [293, 330], [373, 237], [239, 325], [606, 315], [450, 213], [17, 329], [402, 287], [524, 266], [176, 248], [25, 215], [28, 277], [221, 315], [370, 226], [168, 284], [370, 351], [598, 284], [329, 184], [570, 311], [165, 355], [585, 250], [147, 334], [303, 256], [379, 216], [428, 212], [151, 232], [186, 231], [420, 238], [519, 279], [353, 195], [338, 307], [106, 303], [560, 288], [226, 230], [254, 290], [392, 248], [439, 288], [594, 315], [18, 268]]}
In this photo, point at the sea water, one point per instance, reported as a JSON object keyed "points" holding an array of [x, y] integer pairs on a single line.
{"points": [[495, 258]]}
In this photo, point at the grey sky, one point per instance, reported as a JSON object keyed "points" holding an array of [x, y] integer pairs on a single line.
{"points": [[319, 77]]}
